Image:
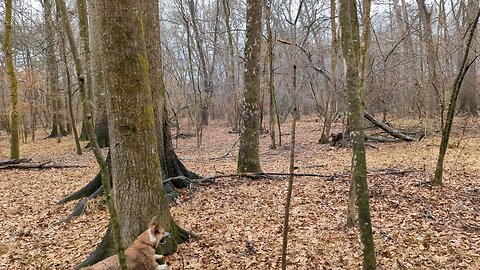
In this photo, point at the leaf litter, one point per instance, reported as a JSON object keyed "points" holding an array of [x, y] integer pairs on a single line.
{"points": [[416, 225]]}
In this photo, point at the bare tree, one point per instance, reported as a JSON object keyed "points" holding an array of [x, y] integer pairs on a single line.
{"points": [[465, 65]]}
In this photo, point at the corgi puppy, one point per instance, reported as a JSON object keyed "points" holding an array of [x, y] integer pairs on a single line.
{"points": [[141, 254]]}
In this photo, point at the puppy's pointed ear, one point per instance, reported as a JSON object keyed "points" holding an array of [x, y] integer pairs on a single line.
{"points": [[153, 223]]}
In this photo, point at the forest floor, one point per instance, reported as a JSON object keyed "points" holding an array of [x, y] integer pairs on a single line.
{"points": [[416, 225]]}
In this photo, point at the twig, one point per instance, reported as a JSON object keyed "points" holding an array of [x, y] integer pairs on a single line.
{"points": [[227, 153]]}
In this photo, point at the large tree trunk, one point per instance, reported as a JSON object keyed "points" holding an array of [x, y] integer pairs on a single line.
{"points": [[351, 53], [248, 155], [137, 182], [161, 132], [87, 115], [12, 79], [98, 88]]}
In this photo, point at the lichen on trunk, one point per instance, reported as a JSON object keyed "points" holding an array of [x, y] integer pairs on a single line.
{"points": [[248, 155]]}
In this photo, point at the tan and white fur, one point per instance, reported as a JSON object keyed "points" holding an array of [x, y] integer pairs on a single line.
{"points": [[141, 254]]}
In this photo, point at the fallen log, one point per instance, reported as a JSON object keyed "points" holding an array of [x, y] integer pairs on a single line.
{"points": [[259, 175], [392, 131], [14, 161], [380, 139], [44, 165]]}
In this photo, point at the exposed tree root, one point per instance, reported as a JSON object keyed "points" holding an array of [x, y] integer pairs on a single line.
{"points": [[85, 191], [81, 205], [103, 250]]}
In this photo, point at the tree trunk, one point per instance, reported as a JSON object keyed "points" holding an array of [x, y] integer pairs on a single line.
{"points": [[161, 132], [327, 123], [351, 53], [98, 87], [85, 45], [231, 68], [291, 171], [431, 97], [207, 80], [68, 86], [52, 70], [271, 79], [248, 156], [12, 79], [85, 50], [87, 115], [465, 65]]}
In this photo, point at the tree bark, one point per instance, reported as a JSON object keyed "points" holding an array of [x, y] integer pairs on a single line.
{"points": [[248, 156], [98, 86], [87, 115], [161, 132], [351, 53], [12, 79], [271, 78]]}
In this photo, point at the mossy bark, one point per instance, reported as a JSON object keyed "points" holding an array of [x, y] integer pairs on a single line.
{"points": [[248, 155], [351, 53], [87, 114], [160, 130], [12, 79]]}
